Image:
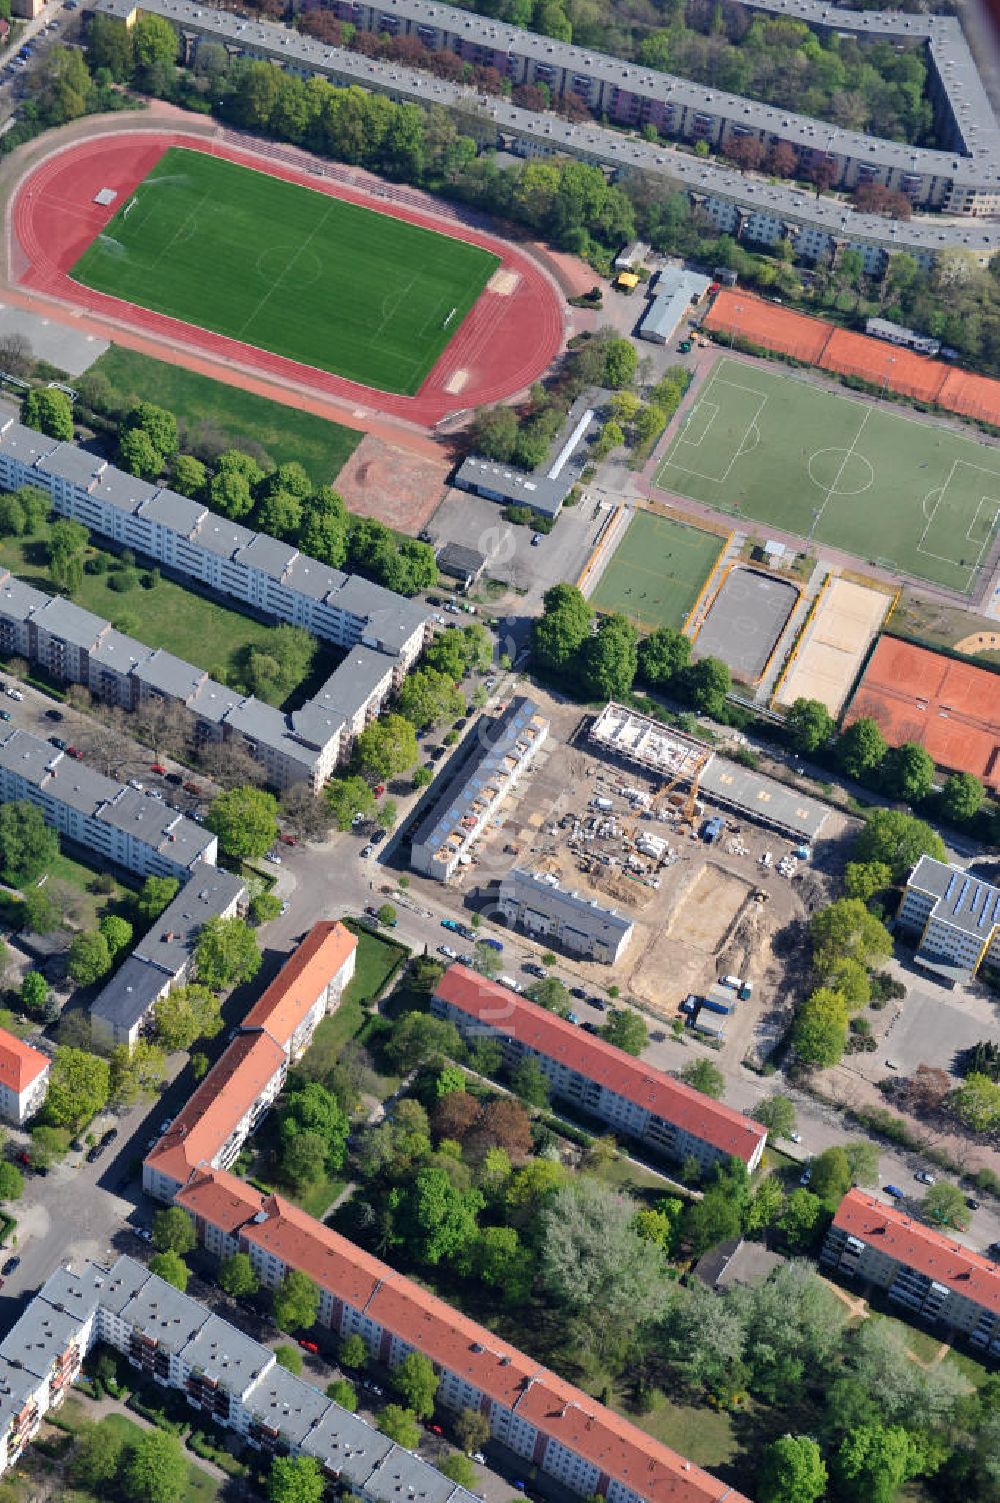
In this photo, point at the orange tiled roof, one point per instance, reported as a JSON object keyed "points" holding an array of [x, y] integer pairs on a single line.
{"points": [[282, 1007], [20, 1064], [219, 1198], [920, 1247], [228, 1091], [728, 1130]]}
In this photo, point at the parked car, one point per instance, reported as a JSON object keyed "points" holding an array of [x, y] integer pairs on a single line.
{"points": [[447, 952], [11, 1264], [591, 1028], [972, 1203], [5, 715], [366, 851], [57, 742], [433, 1428], [478, 1456], [494, 944], [75, 753], [924, 1177], [308, 1346], [174, 778], [895, 1192], [53, 714], [578, 992], [13, 694], [451, 924], [533, 969], [378, 790], [599, 1003], [109, 1137], [806, 1175]]}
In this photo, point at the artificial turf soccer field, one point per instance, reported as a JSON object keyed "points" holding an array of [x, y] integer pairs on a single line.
{"points": [[905, 494], [324, 282], [657, 571]]}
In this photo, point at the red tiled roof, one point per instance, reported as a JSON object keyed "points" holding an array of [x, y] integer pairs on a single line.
{"points": [[306, 973], [920, 1247], [20, 1064], [950, 708], [220, 1199], [228, 1091], [727, 1130], [453, 1341]]}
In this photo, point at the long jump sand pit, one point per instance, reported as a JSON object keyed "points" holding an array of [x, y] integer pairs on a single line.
{"points": [[699, 924], [846, 620]]}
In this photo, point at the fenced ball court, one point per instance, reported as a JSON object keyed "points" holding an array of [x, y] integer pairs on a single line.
{"points": [[657, 571], [314, 278], [907, 495]]}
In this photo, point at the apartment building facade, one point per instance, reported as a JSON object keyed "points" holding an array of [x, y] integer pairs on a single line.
{"points": [[956, 917], [748, 206], [630, 1097], [495, 757], [536, 903], [246, 1080], [381, 632], [548, 1423], [122, 825], [926, 1273], [164, 956], [24, 1079], [224, 1375]]}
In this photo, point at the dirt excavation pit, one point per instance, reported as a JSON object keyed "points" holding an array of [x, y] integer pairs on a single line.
{"points": [[676, 960]]}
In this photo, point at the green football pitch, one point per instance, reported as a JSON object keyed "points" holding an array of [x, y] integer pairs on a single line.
{"points": [[327, 283], [657, 571], [910, 496]]}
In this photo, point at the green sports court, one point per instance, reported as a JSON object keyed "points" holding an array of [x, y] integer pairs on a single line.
{"points": [[911, 496], [657, 571], [284, 268]]}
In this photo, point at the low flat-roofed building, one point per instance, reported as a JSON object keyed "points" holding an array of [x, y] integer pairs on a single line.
{"points": [[677, 292], [564, 919], [956, 916], [632, 1098], [461, 563], [490, 763], [763, 799], [24, 1078], [512, 487]]}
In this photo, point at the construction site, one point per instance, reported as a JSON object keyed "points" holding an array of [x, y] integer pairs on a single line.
{"points": [[621, 810]]}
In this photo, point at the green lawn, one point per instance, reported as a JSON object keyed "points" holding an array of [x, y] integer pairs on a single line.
{"points": [[703, 1435], [288, 269], [374, 962], [889, 488], [204, 406], [75, 1414], [189, 625], [657, 571]]}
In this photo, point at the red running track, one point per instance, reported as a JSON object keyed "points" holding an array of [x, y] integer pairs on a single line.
{"points": [[504, 343]]}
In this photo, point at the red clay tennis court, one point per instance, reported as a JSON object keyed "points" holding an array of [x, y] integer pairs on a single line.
{"points": [[950, 708], [819, 343], [510, 337]]}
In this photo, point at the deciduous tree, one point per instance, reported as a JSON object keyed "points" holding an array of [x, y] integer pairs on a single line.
{"points": [[295, 1302], [793, 1471], [27, 845], [155, 1469], [172, 1267], [416, 1382], [245, 820], [705, 1077], [79, 1086], [237, 1277], [173, 1231], [295, 1479], [626, 1029], [227, 953]]}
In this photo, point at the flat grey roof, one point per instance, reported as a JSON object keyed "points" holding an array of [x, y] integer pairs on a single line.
{"points": [[312, 578], [25, 444], [664, 313], [967, 903], [40, 1336], [72, 783], [403, 1475], [126, 999], [208, 893], [122, 490], [151, 821], [763, 798], [263, 723], [116, 650], [268, 554], [170, 675], [118, 1285], [17, 1385], [18, 600], [283, 1402], [587, 917], [226, 1355], [170, 509], [74, 464], [347, 1445], [220, 535], [77, 1292], [212, 701], [515, 486], [165, 1314], [61, 618], [457, 559]]}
